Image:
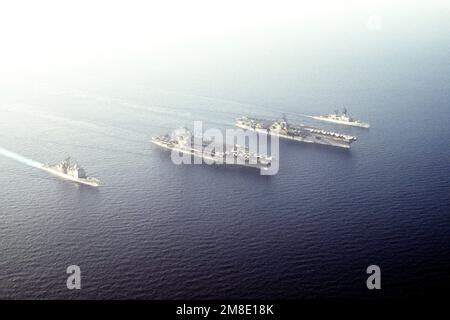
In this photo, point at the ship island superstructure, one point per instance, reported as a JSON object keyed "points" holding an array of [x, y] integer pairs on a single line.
{"points": [[73, 172], [302, 133], [240, 155], [343, 118]]}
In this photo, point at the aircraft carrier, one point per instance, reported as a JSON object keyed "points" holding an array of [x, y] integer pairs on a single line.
{"points": [[71, 172], [302, 133], [184, 143]]}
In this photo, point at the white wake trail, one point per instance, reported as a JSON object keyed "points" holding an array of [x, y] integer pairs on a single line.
{"points": [[19, 158]]}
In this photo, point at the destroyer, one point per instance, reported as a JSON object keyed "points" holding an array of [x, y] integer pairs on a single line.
{"points": [[343, 118], [71, 172], [283, 129], [239, 155]]}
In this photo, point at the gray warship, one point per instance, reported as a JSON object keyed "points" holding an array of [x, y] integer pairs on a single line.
{"points": [[283, 129]]}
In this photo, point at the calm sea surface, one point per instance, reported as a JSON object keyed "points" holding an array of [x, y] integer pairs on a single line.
{"points": [[160, 231]]}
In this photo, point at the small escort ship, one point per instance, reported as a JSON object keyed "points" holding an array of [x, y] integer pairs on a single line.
{"points": [[301, 133], [343, 118], [71, 172], [183, 142]]}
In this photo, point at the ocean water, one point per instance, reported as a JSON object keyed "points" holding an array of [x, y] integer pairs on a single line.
{"points": [[160, 231]]}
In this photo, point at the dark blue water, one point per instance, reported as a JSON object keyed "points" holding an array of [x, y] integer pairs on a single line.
{"points": [[160, 231]]}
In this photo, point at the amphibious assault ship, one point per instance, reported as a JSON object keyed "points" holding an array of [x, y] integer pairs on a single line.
{"points": [[71, 172], [343, 118], [183, 142], [302, 133]]}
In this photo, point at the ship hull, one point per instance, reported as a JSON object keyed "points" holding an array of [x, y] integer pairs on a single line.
{"points": [[311, 138], [70, 178], [201, 155], [346, 123]]}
